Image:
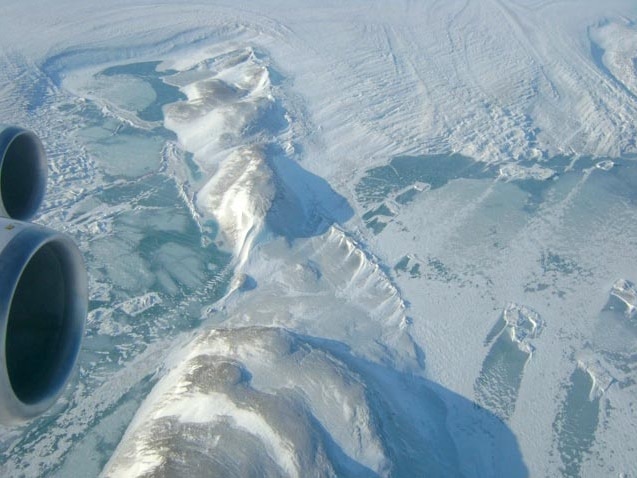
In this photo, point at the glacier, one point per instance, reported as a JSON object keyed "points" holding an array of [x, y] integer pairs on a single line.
{"points": [[340, 238]]}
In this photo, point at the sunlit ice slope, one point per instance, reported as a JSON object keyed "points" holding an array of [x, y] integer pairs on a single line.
{"points": [[349, 239]]}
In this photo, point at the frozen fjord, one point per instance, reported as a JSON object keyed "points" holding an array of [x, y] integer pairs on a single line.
{"points": [[498, 281]]}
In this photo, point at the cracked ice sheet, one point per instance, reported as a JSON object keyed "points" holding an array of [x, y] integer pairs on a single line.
{"points": [[557, 247]]}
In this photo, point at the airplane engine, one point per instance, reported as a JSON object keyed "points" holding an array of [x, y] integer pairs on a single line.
{"points": [[43, 287]]}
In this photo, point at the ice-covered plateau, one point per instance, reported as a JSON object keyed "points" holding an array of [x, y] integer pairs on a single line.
{"points": [[340, 239]]}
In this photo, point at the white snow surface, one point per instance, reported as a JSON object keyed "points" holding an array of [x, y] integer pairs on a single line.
{"points": [[339, 238]]}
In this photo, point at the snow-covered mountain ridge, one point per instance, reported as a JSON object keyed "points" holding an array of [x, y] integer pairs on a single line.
{"points": [[338, 239]]}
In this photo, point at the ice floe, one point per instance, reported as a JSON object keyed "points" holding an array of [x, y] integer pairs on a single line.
{"points": [[625, 291], [523, 324], [512, 172]]}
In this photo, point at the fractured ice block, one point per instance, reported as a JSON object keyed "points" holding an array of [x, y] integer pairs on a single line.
{"points": [[524, 324], [625, 291]]}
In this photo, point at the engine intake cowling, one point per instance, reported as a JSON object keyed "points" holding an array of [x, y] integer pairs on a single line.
{"points": [[43, 287], [23, 172]]}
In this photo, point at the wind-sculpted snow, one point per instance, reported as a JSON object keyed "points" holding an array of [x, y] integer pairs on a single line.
{"points": [[225, 96], [614, 47], [266, 402], [350, 239], [558, 235], [282, 392], [240, 137], [238, 196], [625, 291], [498, 384], [328, 285]]}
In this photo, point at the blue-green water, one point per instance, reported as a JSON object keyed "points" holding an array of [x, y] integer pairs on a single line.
{"points": [[154, 272], [147, 71]]}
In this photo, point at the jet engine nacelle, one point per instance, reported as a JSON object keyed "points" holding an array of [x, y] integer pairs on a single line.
{"points": [[43, 287]]}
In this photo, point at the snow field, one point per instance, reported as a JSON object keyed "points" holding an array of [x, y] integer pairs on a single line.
{"points": [[419, 220]]}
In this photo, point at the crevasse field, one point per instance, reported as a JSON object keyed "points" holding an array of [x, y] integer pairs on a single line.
{"points": [[354, 238]]}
